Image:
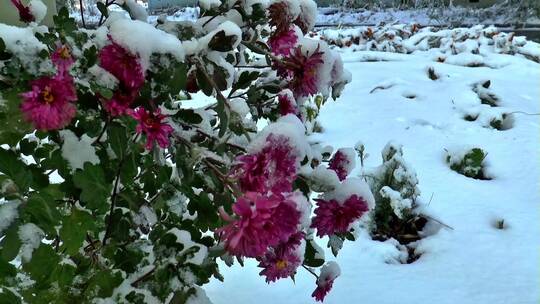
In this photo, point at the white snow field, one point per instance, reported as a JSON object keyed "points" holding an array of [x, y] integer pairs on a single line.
{"points": [[474, 262]]}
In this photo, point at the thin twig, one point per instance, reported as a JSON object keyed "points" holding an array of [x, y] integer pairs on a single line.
{"points": [[102, 132], [113, 202], [436, 220], [144, 277], [210, 136], [101, 18], [310, 271], [211, 81], [82, 13]]}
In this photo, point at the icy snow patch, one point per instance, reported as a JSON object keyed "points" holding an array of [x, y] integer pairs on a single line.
{"points": [[78, 151], [38, 10], [8, 213], [30, 236]]}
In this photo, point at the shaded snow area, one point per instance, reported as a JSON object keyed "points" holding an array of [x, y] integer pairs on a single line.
{"points": [[489, 253]]}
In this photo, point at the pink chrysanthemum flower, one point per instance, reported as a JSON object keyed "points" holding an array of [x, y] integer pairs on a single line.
{"points": [[286, 103], [119, 104], [332, 217], [122, 65], [49, 105], [280, 16], [342, 163], [283, 260], [24, 11], [329, 273], [271, 169], [263, 221], [62, 59], [302, 71], [152, 125], [281, 43]]}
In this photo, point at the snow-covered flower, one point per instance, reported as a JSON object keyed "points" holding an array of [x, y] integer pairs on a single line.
{"points": [[302, 71], [272, 169], [283, 260], [119, 104], [307, 16], [286, 103], [25, 15], [62, 59], [49, 105], [333, 217], [263, 221], [123, 65], [329, 272], [153, 126], [280, 15], [342, 163], [281, 43]]}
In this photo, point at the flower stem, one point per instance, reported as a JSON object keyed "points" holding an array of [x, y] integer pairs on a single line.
{"points": [[310, 271]]}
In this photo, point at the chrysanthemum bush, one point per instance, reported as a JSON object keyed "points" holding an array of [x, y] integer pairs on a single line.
{"points": [[119, 185]]}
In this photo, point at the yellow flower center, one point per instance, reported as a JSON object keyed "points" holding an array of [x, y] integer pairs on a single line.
{"points": [[64, 53], [149, 121], [281, 264], [47, 95]]}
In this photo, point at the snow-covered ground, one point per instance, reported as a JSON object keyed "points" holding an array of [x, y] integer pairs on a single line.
{"points": [[474, 262], [423, 16], [445, 17]]}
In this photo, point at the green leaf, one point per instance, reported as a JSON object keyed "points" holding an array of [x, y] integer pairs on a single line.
{"points": [[245, 80], [7, 297], [179, 78], [74, 229], [129, 168], [6, 270], [90, 54], [189, 116], [310, 258], [223, 116], [63, 274], [10, 244], [15, 169], [102, 9], [3, 54], [41, 209], [41, 266], [39, 179], [104, 92], [95, 189], [63, 22], [103, 283], [222, 42], [203, 83], [118, 140]]}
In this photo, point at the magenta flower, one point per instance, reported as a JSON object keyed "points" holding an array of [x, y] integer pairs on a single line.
{"points": [[341, 163], [286, 103], [280, 16], [272, 169], [49, 105], [62, 59], [281, 43], [122, 65], [24, 11], [263, 222], [152, 125], [302, 71], [283, 260], [329, 273], [119, 104], [332, 217]]}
